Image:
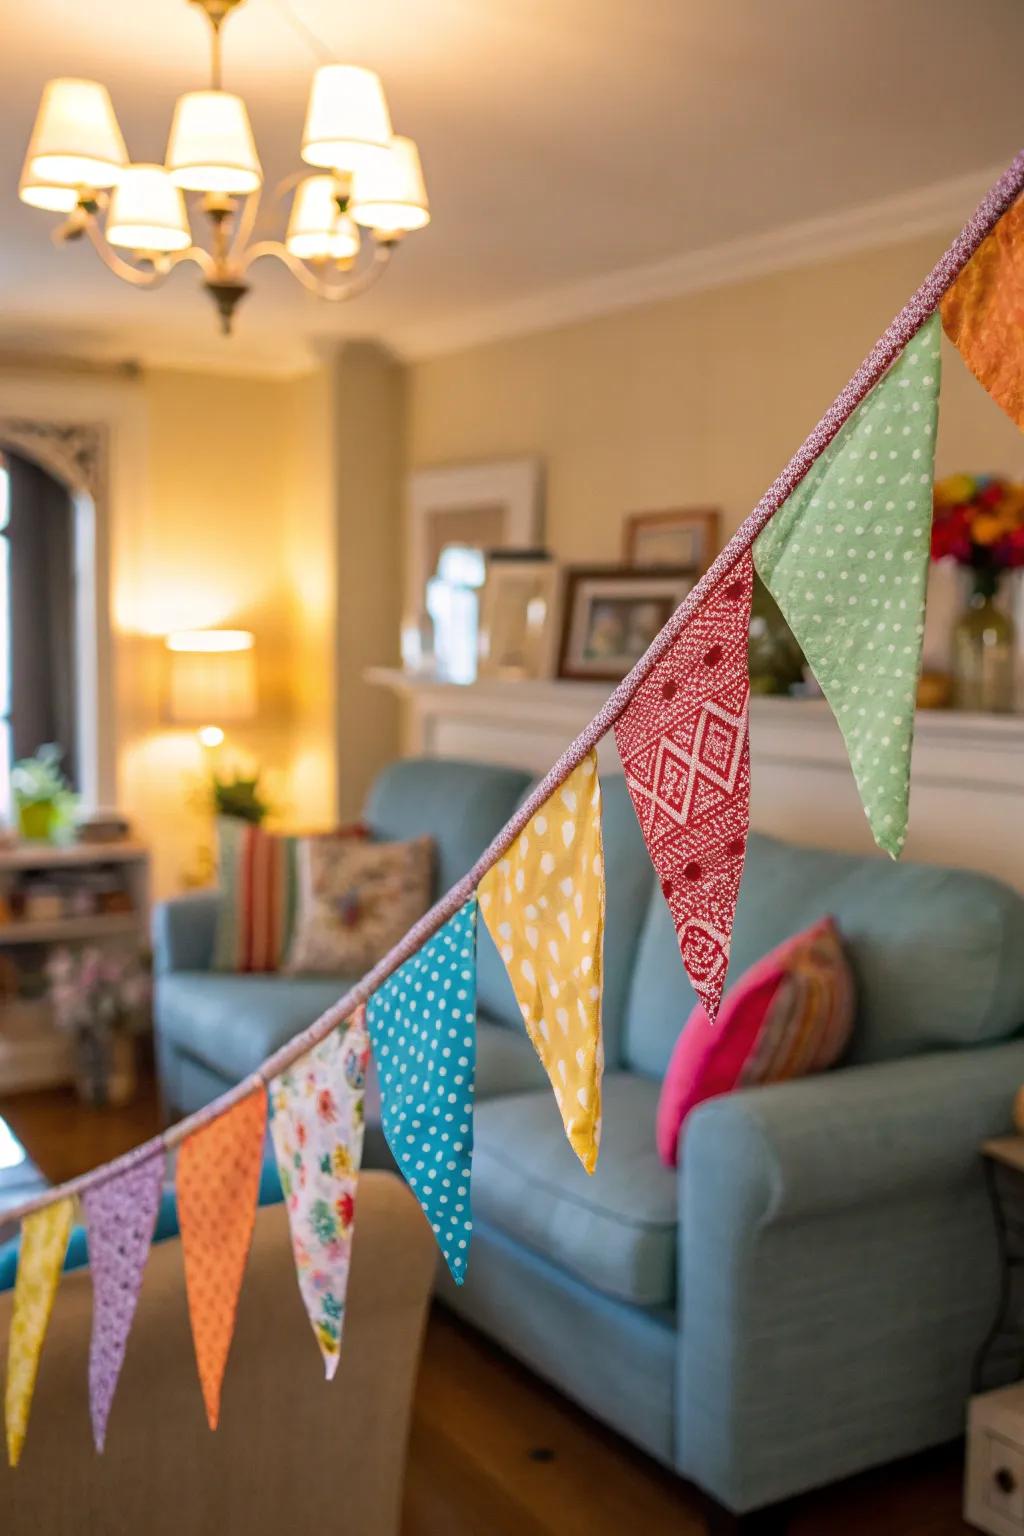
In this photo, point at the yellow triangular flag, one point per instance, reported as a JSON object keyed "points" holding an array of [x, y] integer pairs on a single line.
{"points": [[44, 1242], [543, 904]]}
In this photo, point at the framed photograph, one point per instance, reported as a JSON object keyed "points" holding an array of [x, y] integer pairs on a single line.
{"points": [[518, 615], [611, 615], [688, 538], [489, 506]]}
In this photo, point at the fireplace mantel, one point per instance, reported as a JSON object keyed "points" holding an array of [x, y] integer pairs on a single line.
{"points": [[967, 799]]}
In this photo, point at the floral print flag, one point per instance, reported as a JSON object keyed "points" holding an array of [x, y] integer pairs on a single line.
{"points": [[218, 1184], [44, 1241], [120, 1215], [846, 559], [316, 1120], [684, 747], [543, 904], [422, 1023]]}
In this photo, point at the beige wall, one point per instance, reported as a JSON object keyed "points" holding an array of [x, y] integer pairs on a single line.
{"points": [[694, 401]]}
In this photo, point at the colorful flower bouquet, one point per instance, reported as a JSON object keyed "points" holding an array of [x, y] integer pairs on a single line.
{"points": [[979, 523], [100, 997]]}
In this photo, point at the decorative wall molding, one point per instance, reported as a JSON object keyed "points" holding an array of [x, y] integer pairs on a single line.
{"points": [[967, 796], [886, 221], [76, 453]]}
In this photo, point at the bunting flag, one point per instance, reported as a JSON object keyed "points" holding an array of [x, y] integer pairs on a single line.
{"points": [[44, 1241], [316, 1120], [422, 1023], [983, 313], [543, 904], [846, 559], [684, 747], [120, 1216], [218, 1183]]}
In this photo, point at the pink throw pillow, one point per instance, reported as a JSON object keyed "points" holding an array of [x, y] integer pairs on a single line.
{"points": [[790, 1015]]}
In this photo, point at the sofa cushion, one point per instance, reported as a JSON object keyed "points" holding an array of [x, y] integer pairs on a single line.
{"points": [[937, 954], [614, 1229], [231, 1023], [629, 879]]}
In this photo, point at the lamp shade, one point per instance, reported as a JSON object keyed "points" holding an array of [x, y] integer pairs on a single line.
{"points": [[317, 229], [147, 211], [211, 147], [348, 126], [76, 140], [211, 676], [45, 194], [391, 195]]}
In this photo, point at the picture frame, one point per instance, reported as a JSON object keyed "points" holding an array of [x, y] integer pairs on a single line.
{"points": [[682, 537], [488, 506], [611, 613], [518, 616]]}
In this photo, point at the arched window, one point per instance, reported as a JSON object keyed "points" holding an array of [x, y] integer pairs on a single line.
{"points": [[38, 683]]}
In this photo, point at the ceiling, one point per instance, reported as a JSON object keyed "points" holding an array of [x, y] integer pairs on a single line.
{"points": [[562, 142]]}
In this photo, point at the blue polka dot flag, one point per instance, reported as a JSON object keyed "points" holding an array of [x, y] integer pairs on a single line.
{"points": [[422, 1023]]}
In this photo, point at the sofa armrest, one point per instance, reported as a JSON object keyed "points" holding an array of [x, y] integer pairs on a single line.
{"points": [[837, 1269], [183, 932]]}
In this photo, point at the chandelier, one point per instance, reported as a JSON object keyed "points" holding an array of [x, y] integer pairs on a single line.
{"points": [[365, 178]]}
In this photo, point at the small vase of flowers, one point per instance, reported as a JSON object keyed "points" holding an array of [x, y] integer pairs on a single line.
{"points": [[979, 523], [100, 998]]}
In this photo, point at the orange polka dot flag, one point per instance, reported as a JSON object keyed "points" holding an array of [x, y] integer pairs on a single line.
{"points": [[218, 1184], [543, 904], [44, 1241], [684, 747], [983, 313]]}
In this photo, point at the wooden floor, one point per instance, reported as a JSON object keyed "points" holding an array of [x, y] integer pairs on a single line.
{"points": [[493, 1451]]}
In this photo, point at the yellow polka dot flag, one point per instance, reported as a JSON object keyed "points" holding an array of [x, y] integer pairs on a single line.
{"points": [[846, 559], [44, 1241], [543, 904]]}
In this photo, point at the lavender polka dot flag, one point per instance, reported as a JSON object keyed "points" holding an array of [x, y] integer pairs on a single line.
{"points": [[422, 1023], [846, 559], [120, 1216]]}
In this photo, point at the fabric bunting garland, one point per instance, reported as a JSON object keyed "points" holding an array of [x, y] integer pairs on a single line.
{"points": [[218, 1183], [44, 1241], [684, 748], [316, 1120], [422, 1023], [543, 904], [120, 1216], [983, 313], [846, 559]]}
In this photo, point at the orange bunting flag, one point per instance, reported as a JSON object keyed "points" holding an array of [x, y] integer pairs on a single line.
{"points": [[983, 313], [543, 904], [218, 1184], [44, 1241]]}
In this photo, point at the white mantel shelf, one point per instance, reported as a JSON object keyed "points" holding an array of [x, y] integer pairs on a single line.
{"points": [[967, 796]]}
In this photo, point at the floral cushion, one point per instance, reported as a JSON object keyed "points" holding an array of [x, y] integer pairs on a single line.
{"points": [[355, 900]]}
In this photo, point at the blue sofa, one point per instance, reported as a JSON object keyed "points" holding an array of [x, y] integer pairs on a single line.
{"points": [[802, 1299]]}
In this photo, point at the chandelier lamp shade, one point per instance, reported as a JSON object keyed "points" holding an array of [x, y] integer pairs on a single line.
{"points": [[364, 177]]}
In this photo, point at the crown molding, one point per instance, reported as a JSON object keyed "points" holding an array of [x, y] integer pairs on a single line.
{"points": [[886, 221]]}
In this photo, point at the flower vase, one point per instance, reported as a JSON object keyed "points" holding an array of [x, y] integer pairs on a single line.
{"points": [[983, 651]]}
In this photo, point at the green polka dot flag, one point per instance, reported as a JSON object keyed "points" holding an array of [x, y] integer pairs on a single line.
{"points": [[846, 559]]}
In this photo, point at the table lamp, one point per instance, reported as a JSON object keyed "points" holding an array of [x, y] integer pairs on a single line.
{"points": [[211, 680]]}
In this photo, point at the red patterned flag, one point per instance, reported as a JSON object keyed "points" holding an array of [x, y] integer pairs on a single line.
{"points": [[683, 743]]}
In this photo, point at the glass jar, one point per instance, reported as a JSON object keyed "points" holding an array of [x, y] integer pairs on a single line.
{"points": [[983, 647]]}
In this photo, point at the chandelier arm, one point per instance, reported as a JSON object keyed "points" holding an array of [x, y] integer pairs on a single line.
{"points": [[155, 276], [245, 226], [336, 292]]}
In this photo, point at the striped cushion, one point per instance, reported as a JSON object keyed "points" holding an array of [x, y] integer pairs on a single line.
{"points": [[257, 908], [790, 1015]]}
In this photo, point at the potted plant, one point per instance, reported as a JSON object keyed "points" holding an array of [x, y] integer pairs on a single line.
{"points": [[43, 799], [100, 998], [979, 523]]}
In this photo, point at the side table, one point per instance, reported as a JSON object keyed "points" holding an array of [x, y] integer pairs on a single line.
{"points": [[1001, 1356]]}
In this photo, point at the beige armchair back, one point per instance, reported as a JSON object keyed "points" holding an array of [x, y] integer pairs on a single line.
{"points": [[294, 1454]]}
